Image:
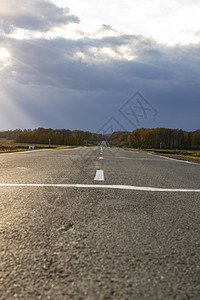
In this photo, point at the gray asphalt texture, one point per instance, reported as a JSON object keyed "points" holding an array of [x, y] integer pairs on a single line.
{"points": [[86, 243]]}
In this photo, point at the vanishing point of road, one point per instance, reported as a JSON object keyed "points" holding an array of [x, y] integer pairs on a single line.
{"points": [[98, 223]]}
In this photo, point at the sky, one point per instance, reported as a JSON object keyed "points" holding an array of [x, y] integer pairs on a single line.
{"points": [[100, 65]]}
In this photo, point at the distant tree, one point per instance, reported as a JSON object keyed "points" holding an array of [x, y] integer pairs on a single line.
{"points": [[139, 138], [119, 139], [195, 139]]}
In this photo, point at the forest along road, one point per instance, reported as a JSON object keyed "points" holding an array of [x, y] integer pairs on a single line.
{"points": [[98, 223]]}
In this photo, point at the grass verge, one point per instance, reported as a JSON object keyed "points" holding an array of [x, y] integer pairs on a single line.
{"points": [[18, 148], [188, 155]]}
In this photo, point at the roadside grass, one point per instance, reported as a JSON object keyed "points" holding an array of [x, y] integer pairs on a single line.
{"points": [[185, 157], [4, 141], [7, 148], [190, 155], [66, 147], [134, 149]]}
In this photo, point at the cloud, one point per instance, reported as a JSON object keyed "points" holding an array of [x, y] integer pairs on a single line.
{"points": [[51, 80], [106, 64], [106, 29], [35, 15], [169, 22]]}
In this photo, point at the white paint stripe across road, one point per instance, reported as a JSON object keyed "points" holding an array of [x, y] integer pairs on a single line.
{"points": [[99, 175], [95, 186]]}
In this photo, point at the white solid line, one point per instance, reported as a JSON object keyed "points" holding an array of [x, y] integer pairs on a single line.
{"points": [[131, 158], [174, 159], [27, 152], [180, 160], [99, 175], [36, 150], [117, 187]]}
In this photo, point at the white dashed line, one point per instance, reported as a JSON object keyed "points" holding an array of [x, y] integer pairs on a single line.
{"points": [[100, 176]]}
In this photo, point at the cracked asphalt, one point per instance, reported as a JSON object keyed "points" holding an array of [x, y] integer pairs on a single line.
{"points": [[90, 243]]}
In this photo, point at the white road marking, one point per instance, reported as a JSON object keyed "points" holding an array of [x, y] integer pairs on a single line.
{"points": [[99, 175], [26, 152], [174, 159], [37, 150], [133, 158], [101, 153], [117, 187]]}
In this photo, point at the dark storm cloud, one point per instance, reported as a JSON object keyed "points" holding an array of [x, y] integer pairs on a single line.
{"points": [[56, 62], [36, 15], [71, 80]]}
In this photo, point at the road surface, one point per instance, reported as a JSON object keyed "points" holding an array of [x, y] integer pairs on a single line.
{"points": [[98, 223]]}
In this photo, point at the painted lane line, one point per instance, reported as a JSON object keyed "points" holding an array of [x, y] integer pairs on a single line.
{"points": [[180, 160], [133, 158], [99, 175], [100, 157], [116, 187], [38, 150], [174, 159]]}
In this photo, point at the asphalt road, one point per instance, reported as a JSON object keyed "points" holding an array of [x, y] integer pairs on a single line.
{"points": [[65, 233]]}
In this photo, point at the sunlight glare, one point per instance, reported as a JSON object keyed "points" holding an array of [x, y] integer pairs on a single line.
{"points": [[4, 54]]}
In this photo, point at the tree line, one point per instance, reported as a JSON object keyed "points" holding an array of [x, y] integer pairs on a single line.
{"points": [[157, 138], [144, 138], [10, 134], [53, 136], [119, 139]]}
